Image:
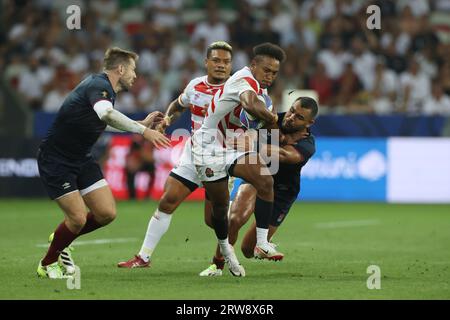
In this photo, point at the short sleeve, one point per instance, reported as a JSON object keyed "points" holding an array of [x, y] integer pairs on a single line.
{"points": [[99, 90], [246, 84], [306, 147], [184, 99]]}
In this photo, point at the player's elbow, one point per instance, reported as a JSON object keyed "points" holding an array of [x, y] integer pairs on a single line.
{"points": [[106, 115]]}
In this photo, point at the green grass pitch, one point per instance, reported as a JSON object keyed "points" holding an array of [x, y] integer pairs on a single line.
{"points": [[328, 248]]}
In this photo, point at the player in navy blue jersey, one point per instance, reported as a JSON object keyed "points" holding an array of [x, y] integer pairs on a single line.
{"points": [[70, 174], [297, 147]]}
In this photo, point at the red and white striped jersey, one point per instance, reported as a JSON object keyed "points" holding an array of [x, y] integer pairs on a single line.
{"points": [[197, 96], [223, 112]]}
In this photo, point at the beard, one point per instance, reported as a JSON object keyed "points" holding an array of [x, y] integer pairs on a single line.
{"points": [[123, 86], [286, 129]]}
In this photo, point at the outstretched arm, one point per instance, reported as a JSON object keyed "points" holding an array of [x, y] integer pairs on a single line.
{"points": [[151, 121], [118, 120], [174, 110]]}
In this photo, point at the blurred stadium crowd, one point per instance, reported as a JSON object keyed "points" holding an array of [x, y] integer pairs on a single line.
{"points": [[402, 68]]}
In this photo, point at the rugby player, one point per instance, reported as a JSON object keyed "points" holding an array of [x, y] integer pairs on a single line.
{"points": [[183, 179], [298, 148], [215, 161], [69, 173]]}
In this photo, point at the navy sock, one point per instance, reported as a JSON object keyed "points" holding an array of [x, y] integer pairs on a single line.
{"points": [[220, 225], [263, 212]]}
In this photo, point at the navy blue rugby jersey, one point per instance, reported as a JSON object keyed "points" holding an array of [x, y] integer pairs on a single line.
{"points": [[288, 175], [77, 126]]}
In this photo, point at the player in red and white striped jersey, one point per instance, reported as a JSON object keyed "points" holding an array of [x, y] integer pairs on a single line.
{"points": [[215, 161], [183, 179]]}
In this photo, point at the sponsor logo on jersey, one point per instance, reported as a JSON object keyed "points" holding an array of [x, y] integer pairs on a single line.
{"points": [[209, 172]]}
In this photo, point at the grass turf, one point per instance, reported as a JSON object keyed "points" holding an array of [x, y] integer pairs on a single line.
{"points": [[328, 248]]}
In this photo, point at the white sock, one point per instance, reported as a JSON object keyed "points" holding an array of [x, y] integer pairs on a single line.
{"points": [[158, 225], [224, 246], [261, 236]]}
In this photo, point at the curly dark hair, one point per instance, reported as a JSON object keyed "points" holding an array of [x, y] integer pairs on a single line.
{"points": [[270, 50]]}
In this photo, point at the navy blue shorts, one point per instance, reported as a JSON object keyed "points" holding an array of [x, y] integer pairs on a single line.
{"points": [[60, 176], [284, 198]]}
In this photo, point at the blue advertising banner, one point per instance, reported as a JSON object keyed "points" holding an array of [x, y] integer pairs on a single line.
{"points": [[346, 170]]}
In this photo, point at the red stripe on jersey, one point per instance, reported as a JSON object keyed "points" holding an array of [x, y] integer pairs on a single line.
{"points": [[206, 88], [213, 105], [227, 119], [198, 111], [229, 124], [237, 111], [223, 134], [195, 125], [252, 82]]}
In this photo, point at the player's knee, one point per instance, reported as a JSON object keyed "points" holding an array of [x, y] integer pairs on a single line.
{"points": [[168, 203], [109, 217], [236, 222], [105, 215], [247, 251], [265, 185], [76, 223], [208, 221], [208, 214]]}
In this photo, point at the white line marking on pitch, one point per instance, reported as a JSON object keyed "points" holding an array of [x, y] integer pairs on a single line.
{"points": [[98, 241], [346, 224]]}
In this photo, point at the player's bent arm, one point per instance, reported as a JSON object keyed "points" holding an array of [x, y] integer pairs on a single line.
{"points": [[288, 154], [174, 111], [256, 107]]}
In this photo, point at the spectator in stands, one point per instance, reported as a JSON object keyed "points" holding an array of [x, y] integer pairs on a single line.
{"points": [[34, 42], [334, 59], [243, 28], [300, 36], [55, 97], [166, 12], [363, 62], [438, 103], [414, 88], [444, 77], [320, 82], [348, 86], [384, 90], [213, 29], [31, 84], [281, 21]]}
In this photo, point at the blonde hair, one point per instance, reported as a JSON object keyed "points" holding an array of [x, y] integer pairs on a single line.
{"points": [[116, 56], [219, 45]]}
